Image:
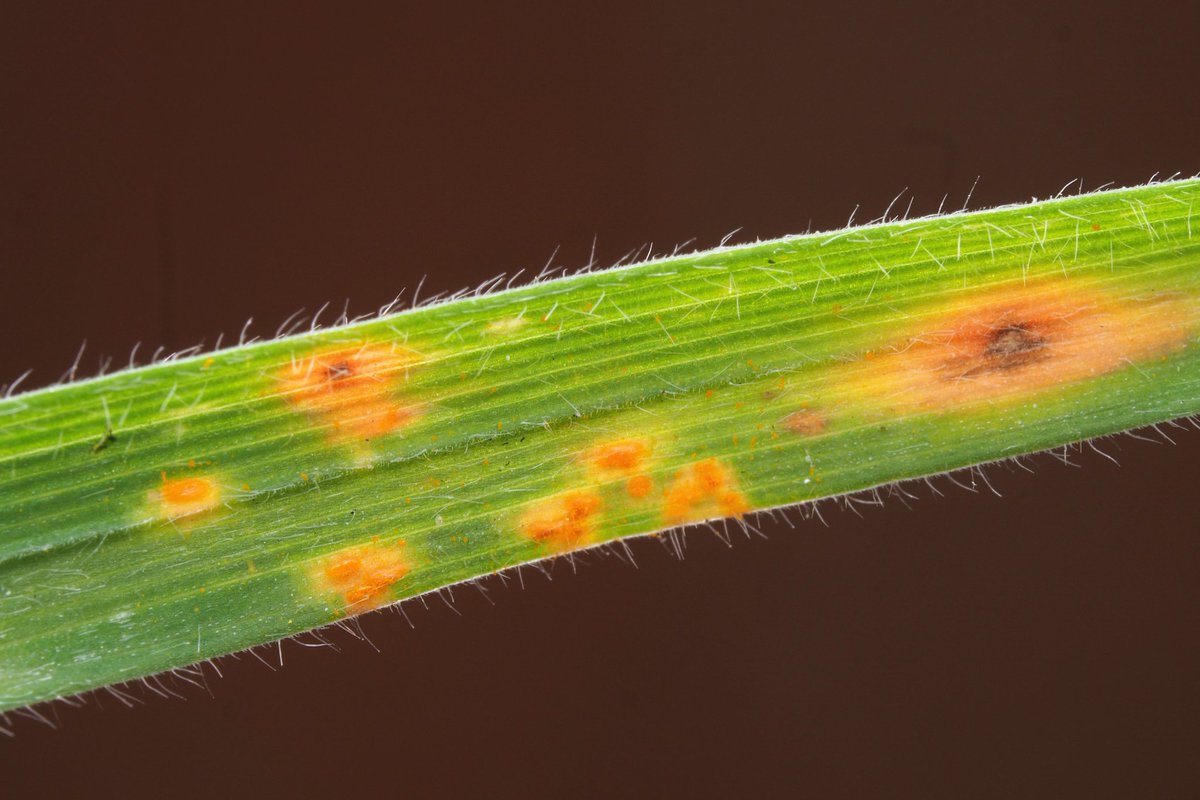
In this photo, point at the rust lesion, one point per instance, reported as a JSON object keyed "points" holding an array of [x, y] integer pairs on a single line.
{"points": [[564, 521], [703, 490], [189, 496], [1011, 342], [626, 460], [1005, 342], [1014, 345], [340, 370], [353, 391], [362, 576], [621, 456]]}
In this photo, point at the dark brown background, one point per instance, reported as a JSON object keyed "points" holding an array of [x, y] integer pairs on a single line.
{"points": [[166, 174]]}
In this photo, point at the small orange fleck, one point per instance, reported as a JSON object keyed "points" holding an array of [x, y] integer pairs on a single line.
{"points": [[208, 362], [183, 497], [363, 575], [245, 487], [639, 486], [563, 521], [1095, 226], [192, 463]]}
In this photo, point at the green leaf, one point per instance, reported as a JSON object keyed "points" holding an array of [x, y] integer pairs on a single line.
{"points": [[176, 512]]}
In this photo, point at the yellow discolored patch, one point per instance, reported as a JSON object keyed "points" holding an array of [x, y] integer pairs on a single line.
{"points": [[184, 497], [563, 521], [507, 325], [352, 390], [363, 576], [701, 490], [1003, 343]]}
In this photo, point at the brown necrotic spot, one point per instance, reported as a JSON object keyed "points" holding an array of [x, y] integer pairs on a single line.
{"points": [[1009, 345], [1014, 345], [1004, 340], [804, 423], [339, 370]]}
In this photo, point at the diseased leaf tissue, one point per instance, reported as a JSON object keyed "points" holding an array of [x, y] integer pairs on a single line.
{"points": [[171, 513]]}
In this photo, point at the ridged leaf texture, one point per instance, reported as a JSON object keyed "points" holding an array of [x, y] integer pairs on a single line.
{"points": [[176, 512]]}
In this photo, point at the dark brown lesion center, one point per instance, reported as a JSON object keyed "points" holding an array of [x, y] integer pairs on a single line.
{"points": [[339, 371], [1014, 345]]}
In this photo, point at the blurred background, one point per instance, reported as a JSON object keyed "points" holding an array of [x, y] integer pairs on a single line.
{"points": [[170, 170]]}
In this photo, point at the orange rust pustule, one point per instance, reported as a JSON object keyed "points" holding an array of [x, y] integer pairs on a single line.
{"points": [[564, 521], [185, 497], [705, 489], [639, 486], [350, 389], [363, 576], [1003, 343], [625, 455]]}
